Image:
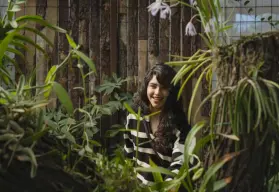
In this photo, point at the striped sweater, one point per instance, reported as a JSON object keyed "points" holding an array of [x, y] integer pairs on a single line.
{"points": [[172, 159]]}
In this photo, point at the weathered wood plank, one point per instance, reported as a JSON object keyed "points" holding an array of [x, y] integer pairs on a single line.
{"points": [[84, 18], [122, 38], [186, 51], [73, 71], [104, 59], [132, 45], [63, 45], [153, 38], [94, 44], [113, 36], [143, 39], [175, 30], [164, 41], [105, 39], [143, 19], [142, 59], [30, 9], [18, 59]]}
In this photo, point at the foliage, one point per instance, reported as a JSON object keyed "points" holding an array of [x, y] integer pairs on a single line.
{"points": [[13, 41], [18, 127], [118, 174], [26, 124]]}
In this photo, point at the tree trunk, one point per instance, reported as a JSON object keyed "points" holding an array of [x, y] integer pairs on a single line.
{"points": [[252, 167]]}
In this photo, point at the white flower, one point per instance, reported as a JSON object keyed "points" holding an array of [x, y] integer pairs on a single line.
{"points": [[163, 13], [191, 2], [157, 6], [190, 29]]}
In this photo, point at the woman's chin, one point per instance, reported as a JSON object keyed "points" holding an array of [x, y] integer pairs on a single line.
{"points": [[156, 107]]}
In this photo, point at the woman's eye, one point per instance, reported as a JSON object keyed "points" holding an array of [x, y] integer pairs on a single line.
{"points": [[153, 86]]}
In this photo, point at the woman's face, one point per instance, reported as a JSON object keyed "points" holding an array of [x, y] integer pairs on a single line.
{"points": [[157, 94]]}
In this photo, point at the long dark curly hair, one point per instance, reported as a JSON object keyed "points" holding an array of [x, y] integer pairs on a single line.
{"points": [[171, 116]]}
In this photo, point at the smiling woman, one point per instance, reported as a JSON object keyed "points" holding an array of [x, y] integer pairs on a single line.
{"points": [[160, 137]]}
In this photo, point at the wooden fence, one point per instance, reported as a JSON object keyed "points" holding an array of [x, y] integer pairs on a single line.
{"points": [[120, 36]]}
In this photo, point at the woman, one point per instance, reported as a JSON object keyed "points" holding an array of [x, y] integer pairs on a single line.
{"points": [[161, 137]]}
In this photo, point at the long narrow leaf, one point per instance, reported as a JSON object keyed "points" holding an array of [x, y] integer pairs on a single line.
{"points": [[63, 97], [40, 20], [86, 59], [39, 33], [212, 170], [31, 42]]}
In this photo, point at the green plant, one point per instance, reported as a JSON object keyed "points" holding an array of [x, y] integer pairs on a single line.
{"points": [[13, 41], [21, 126]]}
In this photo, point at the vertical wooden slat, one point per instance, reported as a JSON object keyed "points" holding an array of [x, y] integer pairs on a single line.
{"points": [[132, 44], [51, 16], [94, 44], [153, 38], [84, 18], [113, 61], [113, 36], [105, 39], [143, 39], [186, 51], [40, 57], [63, 45], [164, 35], [175, 30], [73, 71], [122, 38], [21, 63], [104, 57], [30, 9]]}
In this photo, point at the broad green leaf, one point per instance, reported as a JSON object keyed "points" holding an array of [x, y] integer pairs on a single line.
{"points": [[221, 183], [39, 33], [50, 78], [70, 137], [156, 170], [95, 143], [17, 52], [15, 8], [232, 137], [156, 175], [129, 109], [212, 170], [31, 42], [188, 146], [34, 137], [40, 20], [20, 85], [13, 61], [5, 43], [198, 174], [33, 160], [14, 24], [166, 185], [6, 77], [63, 97], [86, 59], [71, 41]]}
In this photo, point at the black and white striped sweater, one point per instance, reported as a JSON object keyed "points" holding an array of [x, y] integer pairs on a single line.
{"points": [[173, 159]]}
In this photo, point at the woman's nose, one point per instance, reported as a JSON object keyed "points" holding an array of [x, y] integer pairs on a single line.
{"points": [[157, 90]]}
